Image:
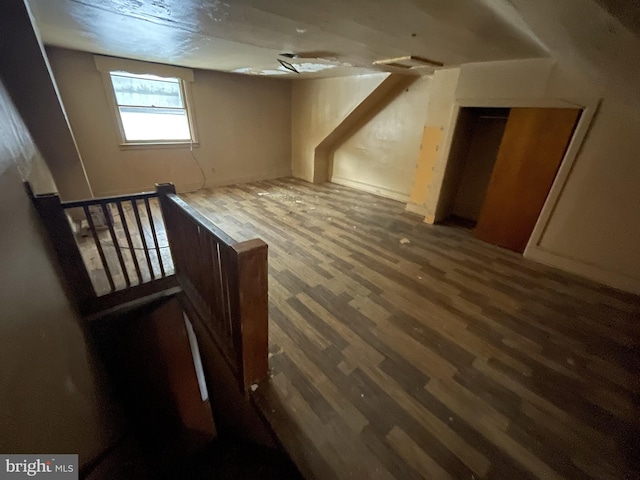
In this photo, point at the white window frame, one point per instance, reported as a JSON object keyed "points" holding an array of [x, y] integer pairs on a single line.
{"points": [[107, 65]]}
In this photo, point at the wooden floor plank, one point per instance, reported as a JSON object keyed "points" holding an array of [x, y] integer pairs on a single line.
{"points": [[411, 452], [443, 357]]}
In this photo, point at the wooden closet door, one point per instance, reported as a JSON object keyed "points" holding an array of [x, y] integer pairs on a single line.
{"points": [[534, 143]]}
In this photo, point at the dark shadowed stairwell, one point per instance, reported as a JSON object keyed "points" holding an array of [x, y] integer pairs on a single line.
{"points": [[171, 433], [182, 339]]}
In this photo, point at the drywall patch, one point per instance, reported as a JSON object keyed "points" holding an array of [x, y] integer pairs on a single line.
{"points": [[431, 138]]}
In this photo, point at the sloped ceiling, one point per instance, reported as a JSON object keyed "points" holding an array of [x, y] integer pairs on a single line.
{"points": [[334, 37], [601, 38]]}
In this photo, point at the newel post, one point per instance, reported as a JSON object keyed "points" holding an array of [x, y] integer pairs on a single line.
{"points": [[251, 258], [62, 239], [165, 188], [162, 190]]}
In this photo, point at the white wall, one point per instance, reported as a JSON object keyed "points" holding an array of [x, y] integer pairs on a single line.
{"points": [[50, 395], [243, 128], [380, 156], [592, 228]]}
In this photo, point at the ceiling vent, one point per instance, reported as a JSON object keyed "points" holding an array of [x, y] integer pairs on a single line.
{"points": [[408, 62]]}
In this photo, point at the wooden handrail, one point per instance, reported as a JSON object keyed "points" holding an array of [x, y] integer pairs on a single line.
{"points": [[105, 200], [225, 283], [118, 261]]}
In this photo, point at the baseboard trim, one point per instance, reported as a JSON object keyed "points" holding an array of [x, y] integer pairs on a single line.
{"points": [[365, 187], [417, 209], [598, 274], [190, 187], [248, 179]]}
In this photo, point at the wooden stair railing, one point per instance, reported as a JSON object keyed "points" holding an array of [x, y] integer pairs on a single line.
{"points": [[121, 274], [225, 285], [223, 281]]}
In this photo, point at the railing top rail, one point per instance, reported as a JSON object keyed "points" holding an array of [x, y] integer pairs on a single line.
{"points": [[202, 221], [103, 200]]}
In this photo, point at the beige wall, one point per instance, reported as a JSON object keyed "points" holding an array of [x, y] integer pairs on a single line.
{"points": [[436, 140], [379, 120], [596, 222], [592, 229], [50, 396], [380, 156], [29, 82], [243, 128], [318, 107]]}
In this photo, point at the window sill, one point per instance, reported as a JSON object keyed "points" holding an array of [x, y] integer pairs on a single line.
{"points": [[153, 145]]}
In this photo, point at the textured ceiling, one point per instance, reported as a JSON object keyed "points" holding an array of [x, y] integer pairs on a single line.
{"points": [[332, 37], [600, 38]]}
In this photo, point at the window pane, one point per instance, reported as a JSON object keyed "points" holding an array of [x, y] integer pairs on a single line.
{"points": [[154, 124], [146, 90]]}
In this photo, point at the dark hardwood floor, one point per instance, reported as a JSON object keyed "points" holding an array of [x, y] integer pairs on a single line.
{"points": [[403, 350]]}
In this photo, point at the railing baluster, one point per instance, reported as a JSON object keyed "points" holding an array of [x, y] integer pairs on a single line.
{"points": [[217, 283], [136, 213], [96, 240], [129, 241], [84, 272], [227, 293], [116, 244], [155, 237]]}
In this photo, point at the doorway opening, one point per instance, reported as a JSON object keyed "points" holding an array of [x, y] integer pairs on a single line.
{"points": [[502, 164], [474, 150]]}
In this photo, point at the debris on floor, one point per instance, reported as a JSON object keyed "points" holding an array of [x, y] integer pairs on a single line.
{"points": [[404, 241]]}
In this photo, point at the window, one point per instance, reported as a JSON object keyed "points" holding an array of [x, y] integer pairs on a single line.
{"points": [[151, 109]]}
